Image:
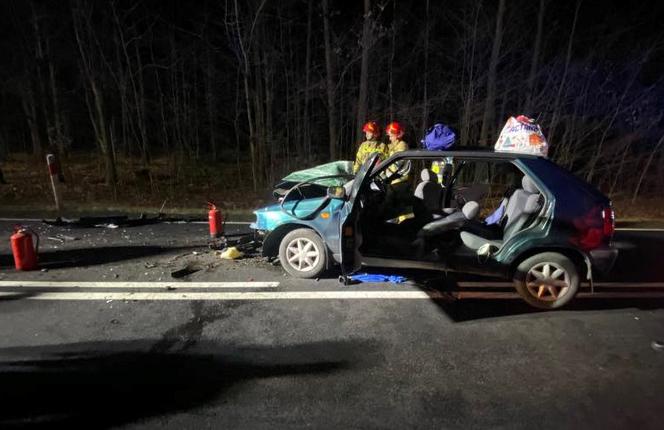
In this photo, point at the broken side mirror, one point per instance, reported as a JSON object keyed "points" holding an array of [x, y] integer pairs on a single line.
{"points": [[336, 193]]}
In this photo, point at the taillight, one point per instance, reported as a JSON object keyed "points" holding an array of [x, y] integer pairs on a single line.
{"points": [[609, 217]]}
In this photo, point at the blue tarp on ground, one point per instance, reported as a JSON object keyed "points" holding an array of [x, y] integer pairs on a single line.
{"points": [[374, 277]]}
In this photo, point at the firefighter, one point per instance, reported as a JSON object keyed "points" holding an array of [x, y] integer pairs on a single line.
{"points": [[398, 193], [395, 134], [372, 145]]}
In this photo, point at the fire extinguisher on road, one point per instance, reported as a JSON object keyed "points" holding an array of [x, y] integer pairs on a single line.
{"points": [[25, 254], [216, 221]]}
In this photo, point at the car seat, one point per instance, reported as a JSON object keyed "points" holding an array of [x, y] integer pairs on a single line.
{"points": [[428, 197], [453, 221], [520, 206]]}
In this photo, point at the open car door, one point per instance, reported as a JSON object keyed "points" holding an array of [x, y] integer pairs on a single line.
{"points": [[350, 237]]}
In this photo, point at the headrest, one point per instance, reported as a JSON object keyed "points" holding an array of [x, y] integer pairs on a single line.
{"points": [[532, 204], [427, 175], [470, 210], [528, 184]]}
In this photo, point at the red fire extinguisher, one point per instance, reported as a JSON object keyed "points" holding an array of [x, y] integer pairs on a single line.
{"points": [[25, 255], [216, 221]]}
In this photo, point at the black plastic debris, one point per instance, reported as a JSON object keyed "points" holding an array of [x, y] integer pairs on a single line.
{"points": [[185, 271], [115, 221]]}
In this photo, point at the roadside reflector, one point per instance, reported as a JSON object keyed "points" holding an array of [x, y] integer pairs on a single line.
{"points": [[609, 218]]}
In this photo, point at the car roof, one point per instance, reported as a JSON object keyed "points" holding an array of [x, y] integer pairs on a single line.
{"points": [[465, 151]]}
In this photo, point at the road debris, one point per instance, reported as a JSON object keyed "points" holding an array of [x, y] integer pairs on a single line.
{"points": [[110, 225], [231, 253], [657, 345], [186, 271], [116, 221]]}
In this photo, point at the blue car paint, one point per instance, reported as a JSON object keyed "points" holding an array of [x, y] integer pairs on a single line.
{"points": [[325, 222]]}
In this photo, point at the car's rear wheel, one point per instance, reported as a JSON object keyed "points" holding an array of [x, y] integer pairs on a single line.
{"points": [[302, 253], [547, 281]]}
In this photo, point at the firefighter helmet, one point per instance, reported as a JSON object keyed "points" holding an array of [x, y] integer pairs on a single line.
{"points": [[395, 128], [371, 127]]}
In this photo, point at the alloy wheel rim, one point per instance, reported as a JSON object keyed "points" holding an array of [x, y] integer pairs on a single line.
{"points": [[302, 254], [548, 281]]}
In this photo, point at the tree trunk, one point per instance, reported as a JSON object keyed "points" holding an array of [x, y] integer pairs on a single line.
{"points": [[307, 80], [469, 97], [533, 63], [425, 100], [30, 111], [104, 142], [210, 105], [364, 71], [489, 107], [646, 167], [563, 80], [390, 73], [330, 85], [97, 115]]}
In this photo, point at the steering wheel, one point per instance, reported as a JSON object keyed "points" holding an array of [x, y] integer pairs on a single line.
{"points": [[296, 188], [378, 184]]}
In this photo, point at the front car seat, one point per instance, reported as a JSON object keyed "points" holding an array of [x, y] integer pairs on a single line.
{"points": [[428, 197]]}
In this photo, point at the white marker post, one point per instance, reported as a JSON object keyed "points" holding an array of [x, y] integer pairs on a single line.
{"points": [[53, 173]]}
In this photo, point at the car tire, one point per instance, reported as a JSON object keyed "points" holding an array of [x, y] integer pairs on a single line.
{"points": [[547, 281], [302, 253]]}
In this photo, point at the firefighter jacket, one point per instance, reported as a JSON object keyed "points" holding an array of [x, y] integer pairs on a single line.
{"points": [[401, 168], [368, 148]]}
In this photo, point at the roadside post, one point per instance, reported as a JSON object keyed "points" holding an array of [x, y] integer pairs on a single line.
{"points": [[53, 171]]}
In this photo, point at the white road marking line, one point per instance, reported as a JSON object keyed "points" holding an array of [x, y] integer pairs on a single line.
{"points": [[492, 284], [630, 284], [21, 219], [639, 229], [165, 222], [272, 295], [225, 222], [119, 285]]}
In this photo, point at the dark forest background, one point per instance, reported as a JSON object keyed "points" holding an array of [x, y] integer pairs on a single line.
{"points": [[250, 90]]}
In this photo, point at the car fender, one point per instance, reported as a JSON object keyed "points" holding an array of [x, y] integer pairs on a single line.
{"points": [[579, 257], [273, 239]]}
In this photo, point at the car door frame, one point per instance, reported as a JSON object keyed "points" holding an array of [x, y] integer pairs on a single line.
{"points": [[349, 240]]}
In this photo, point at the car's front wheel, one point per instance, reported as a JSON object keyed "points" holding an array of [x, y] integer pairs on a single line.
{"points": [[302, 253], [547, 281]]}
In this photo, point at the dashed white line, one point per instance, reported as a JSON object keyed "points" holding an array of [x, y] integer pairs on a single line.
{"points": [[137, 285], [639, 229]]}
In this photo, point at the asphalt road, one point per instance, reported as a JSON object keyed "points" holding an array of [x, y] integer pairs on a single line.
{"points": [[268, 351]]}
